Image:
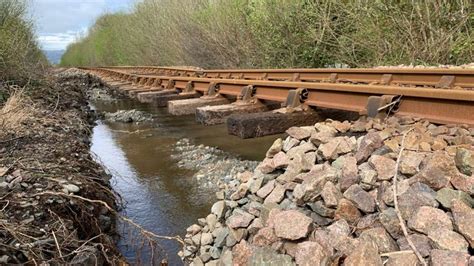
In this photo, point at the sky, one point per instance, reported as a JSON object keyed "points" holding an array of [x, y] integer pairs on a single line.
{"points": [[59, 22]]}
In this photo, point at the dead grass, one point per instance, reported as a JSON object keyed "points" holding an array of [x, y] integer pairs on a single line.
{"points": [[15, 112]]}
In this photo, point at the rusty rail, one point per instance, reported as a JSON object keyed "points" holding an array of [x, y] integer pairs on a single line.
{"points": [[436, 103], [440, 78]]}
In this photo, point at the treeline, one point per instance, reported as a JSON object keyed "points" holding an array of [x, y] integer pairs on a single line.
{"points": [[20, 57], [280, 33]]}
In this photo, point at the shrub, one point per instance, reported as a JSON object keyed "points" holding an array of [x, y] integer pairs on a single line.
{"points": [[20, 57], [280, 33]]}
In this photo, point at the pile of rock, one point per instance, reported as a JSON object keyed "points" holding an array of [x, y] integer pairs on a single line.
{"points": [[128, 116], [464, 66], [216, 169], [325, 196]]}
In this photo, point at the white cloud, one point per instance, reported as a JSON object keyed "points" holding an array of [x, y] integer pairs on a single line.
{"points": [[58, 41], [58, 22]]}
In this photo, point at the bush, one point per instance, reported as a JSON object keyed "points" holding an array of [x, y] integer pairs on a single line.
{"points": [[280, 33], [20, 57]]}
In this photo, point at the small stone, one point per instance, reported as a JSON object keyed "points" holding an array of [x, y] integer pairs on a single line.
{"points": [[464, 160], [463, 183], [309, 189], [349, 174], [348, 211], [342, 127], [406, 259], [339, 229], [439, 144], [266, 166], [276, 147], [367, 174], [256, 225], [299, 133], [219, 208], [438, 171], [265, 237], [381, 238], [464, 220], [448, 258], [256, 184], [331, 194], [215, 252], [389, 219], [368, 145], [266, 189], [360, 198], [281, 160], [319, 208], [446, 239], [410, 163], [445, 196], [193, 229], [226, 258], [206, 239], [416, 196], [421, 242], [267, 256], [240, 193], [291, 224], [241, 253], [220, 235], [311, 253], [244, 177], [359, 126], [329, 150], [364, 254], [425, 146], [289, 143], [71, 188], [239, 219], [277, 195], [427, 219], [211, 221], [384, 166]]}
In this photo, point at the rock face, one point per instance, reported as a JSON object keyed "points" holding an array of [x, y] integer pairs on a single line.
{"points": [[324, 196]]}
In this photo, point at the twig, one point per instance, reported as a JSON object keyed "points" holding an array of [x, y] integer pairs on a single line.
{"points": [[12, 139], [388, 254], [55, 107], [4, 207], [395, 201], [57, 244]]}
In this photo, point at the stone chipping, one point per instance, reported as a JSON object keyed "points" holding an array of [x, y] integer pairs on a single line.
{"points": [[324, 196]]}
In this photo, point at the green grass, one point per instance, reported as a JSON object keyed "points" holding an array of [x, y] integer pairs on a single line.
{"points": [[280, 33]]}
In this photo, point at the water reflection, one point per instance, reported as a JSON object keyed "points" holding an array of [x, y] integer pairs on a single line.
{"points": [[160, 196]]}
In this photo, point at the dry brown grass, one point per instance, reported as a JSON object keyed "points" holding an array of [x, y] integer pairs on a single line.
{"points": [[15, 112]]}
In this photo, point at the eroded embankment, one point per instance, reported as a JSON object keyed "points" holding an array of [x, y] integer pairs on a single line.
{"points": [[370, 192], [56, 205]]}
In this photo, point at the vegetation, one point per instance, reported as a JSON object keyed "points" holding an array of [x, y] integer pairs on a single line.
{"points": [[280, 33], [20, 57]]}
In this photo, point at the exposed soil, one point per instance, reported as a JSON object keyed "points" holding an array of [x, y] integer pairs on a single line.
{"points": [[55, 201]]}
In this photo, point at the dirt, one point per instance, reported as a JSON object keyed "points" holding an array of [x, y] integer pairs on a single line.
{"points": [[56, 205]]}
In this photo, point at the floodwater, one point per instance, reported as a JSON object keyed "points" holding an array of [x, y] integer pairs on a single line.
{"points": [[158, 195]]}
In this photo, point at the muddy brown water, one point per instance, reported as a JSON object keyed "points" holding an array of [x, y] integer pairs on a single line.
{"points": [[157, 194]]}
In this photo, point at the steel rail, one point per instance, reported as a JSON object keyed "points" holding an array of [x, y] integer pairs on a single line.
{"points": [[441, 78], [437, 105]]}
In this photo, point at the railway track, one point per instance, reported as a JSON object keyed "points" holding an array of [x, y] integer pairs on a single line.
{"points": [[439, 95]]}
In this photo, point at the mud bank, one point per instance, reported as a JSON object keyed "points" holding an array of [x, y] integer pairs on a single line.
{"points": [[56, 204]]}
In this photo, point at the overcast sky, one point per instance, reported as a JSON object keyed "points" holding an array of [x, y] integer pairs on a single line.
{"points": [[59, 22]]}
